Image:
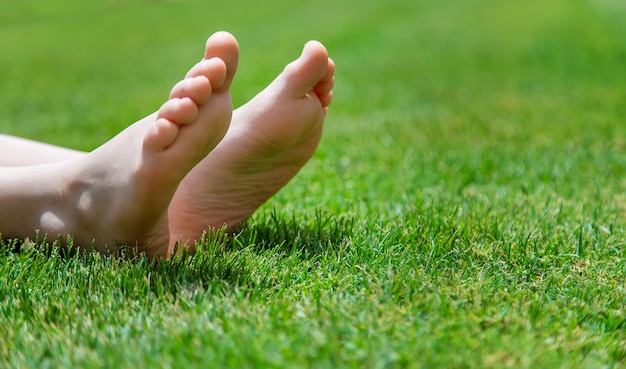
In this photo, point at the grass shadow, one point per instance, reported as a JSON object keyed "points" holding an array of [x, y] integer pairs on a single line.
{"points": [[221, 262], [288, 236]]}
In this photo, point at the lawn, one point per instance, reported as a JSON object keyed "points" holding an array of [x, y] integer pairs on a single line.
{"points": [[466, 206]]}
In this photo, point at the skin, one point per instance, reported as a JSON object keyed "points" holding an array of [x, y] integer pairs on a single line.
{"points": [[120, 192], [269, 140]]}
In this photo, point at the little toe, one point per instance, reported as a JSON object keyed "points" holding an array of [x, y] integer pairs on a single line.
{"points": [[162, 134]]}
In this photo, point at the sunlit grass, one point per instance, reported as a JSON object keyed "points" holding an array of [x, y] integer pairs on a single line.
{"points": [[465, 207]]}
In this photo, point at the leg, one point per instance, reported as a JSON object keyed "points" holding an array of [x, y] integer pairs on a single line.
{"points": [[15, 152], [268, 142], [121, 191]]}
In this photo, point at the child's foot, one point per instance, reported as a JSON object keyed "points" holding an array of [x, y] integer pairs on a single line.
{"points": [[120, 192], [269, 140]]}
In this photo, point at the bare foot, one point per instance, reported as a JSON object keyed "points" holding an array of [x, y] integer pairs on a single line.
{"points": [[120, 192], [268, 142]]}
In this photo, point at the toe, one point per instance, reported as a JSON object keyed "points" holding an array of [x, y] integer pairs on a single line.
{"points": [[326, 99], [196, 88], [308, 70], [179, 110], [224, 46], [330, 72], [162, 134], [324, 88], [214, 69]]}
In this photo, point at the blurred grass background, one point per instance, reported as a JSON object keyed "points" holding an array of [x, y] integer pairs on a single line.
{"points": [[479, 147]]}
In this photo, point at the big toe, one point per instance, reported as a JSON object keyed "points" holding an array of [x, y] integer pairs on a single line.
{"points": [[224, 46], [308, 70]]}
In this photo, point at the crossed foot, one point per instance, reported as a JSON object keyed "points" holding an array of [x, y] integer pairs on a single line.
{"points": [[167, 178], [269, 140]]}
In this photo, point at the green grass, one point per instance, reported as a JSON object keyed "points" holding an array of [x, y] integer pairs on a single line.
{"points": [[466, 207]]}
